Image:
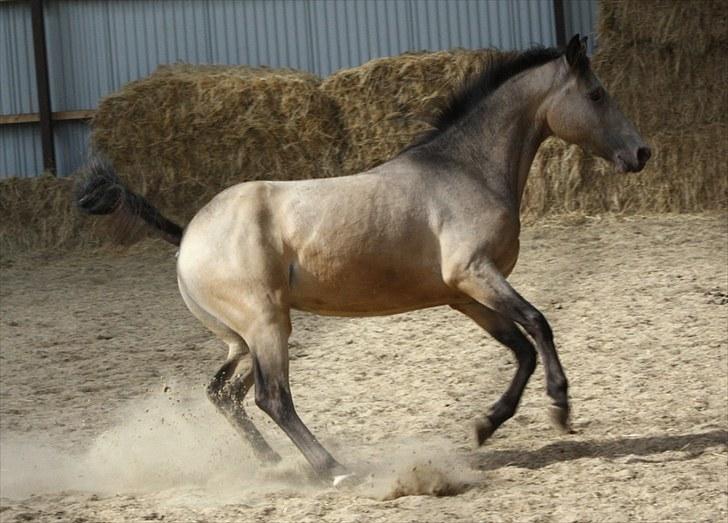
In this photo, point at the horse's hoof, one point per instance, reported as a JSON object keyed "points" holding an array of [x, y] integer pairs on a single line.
{"points": [[271, 458], [266, 455], [560, 419], [346, 480], [483, 428]]}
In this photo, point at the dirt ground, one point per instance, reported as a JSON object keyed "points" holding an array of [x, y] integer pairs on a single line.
{"points": [[104, 416]]}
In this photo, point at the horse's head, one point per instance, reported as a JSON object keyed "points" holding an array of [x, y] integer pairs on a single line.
{"points": [[580, 111]]}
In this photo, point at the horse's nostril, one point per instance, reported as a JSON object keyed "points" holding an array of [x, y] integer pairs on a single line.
{"points": [[643, 154]]}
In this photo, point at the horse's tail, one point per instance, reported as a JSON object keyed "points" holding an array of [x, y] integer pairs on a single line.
{"points": [[102, 192]]}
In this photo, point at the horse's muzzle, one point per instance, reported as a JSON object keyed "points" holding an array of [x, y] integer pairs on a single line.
{"points": [[632, 161]]}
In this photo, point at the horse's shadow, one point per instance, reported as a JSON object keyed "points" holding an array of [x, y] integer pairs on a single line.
{"points": [[691, 444]]}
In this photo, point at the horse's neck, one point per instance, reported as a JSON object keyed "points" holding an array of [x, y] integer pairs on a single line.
{"points": [[502, 136]]}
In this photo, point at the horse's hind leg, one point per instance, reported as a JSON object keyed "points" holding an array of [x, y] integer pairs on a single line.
{"points": [[228, 389], [506, 332], [268, 339]]}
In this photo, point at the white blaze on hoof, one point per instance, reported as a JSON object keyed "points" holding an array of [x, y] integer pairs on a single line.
{"points": [[344, 479]]}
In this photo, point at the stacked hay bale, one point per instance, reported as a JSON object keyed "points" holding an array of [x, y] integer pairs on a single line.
{"points": [[37, 213], [186, 132], [385, 103], [665, 64]]}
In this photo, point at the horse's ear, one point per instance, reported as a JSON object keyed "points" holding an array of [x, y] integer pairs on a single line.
{"points": [[576, 51]]}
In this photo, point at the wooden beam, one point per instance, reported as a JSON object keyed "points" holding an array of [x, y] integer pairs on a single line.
{"points": [[41, 78], [10, 119]]}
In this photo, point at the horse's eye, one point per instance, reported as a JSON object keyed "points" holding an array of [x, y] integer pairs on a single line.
{"points": [[597, 94]]}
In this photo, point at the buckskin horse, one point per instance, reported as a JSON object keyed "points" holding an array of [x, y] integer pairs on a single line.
{"points": [[438, 224]]}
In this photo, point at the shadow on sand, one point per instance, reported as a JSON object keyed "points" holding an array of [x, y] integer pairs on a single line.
{"points": [[692, 444]]}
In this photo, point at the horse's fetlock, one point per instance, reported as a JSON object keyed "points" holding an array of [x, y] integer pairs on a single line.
{"points": [[557, 388], [501, 411]]}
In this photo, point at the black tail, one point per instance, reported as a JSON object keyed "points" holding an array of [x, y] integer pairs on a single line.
{"points": [[102, 192]]}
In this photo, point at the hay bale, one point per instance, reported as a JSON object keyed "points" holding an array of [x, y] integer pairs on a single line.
{"points": [[38, 213], [663, 62], [690, 27], [385, 103], [680, 177], [186, 132], [663, 88]]}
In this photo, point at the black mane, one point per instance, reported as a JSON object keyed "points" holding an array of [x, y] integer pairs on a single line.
{"points": [[479, 86]]}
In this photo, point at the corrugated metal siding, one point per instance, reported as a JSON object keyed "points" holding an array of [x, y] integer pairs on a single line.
{"points": [[17, 73], [71, 139], [95, 46], [20, 150], [581, 17]]}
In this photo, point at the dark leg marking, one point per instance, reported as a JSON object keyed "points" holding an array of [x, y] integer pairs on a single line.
{"points": [[507, 333], [227, 391], [273, 396]]}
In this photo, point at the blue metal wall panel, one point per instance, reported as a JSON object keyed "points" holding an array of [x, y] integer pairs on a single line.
{"points": [[71, 139], [581, 17], [20, 150], [18, 92], [475, 24], [95, 46]]}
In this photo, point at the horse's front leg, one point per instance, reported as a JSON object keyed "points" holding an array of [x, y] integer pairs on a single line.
{"points": [[507, 333], [482, 281]]}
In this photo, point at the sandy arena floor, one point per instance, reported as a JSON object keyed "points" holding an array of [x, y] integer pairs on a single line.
{"points": [[103, 415]]}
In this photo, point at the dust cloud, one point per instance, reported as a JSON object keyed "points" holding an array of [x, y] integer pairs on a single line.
{"points": [[182, 446]]}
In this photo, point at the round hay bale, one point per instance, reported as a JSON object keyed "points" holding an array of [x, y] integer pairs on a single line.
{"points": [[387, 102], [186, 132]]}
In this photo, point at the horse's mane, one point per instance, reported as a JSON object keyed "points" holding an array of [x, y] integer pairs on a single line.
{"points": [[479, 86]]}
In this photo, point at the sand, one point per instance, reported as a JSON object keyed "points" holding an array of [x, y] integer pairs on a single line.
{"points": [[103, 416]]}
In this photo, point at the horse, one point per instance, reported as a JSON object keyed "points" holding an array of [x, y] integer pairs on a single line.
{"points": [[436, 225]]}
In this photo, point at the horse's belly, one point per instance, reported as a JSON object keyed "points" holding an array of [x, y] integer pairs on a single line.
{"points": [[367, 290]]}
